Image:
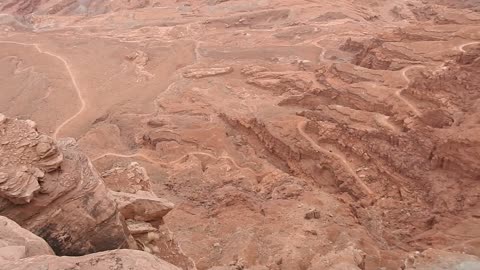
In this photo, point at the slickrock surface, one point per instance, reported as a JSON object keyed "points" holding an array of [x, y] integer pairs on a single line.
{"points": [[121, 259], [291, 135]]}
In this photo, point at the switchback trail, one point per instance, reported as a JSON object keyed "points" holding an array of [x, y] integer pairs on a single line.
{"points": [[398, 93], [301, 129], [165, 164]]}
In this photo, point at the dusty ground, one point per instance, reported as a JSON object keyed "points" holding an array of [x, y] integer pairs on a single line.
{"points": [[289, 134]]}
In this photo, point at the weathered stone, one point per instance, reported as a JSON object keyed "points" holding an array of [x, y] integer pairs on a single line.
{"points": [[17, 243], [46, 146], [312, 214], [19, 185], [130, 179], [142, 206], [139, 227], [252, 69], [70, 207], [198, 73], [117, 259]]}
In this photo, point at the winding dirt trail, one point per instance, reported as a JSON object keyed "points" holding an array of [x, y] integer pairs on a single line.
{"points": [[165, 164], [461, 47], [398, 93], [83, 104], [301, 129], [72, 77], [138, 155], [383, 119]]}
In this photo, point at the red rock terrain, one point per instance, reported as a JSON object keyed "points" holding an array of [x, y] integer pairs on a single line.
{"points": [[232, 134]]}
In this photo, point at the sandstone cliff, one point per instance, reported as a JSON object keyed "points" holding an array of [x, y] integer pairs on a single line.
{"points": [[51, 189]]}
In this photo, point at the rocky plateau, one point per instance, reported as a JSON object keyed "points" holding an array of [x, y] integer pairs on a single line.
{"points": [[235, 134]]}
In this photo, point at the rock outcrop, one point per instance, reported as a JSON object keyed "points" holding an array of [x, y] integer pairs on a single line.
{"points": [[19, 180], [53, 190], [139, 60], [22, 250], [131, 188], [198, 73], [129, 179], [122, 259], [18, 243], [142, 206], [281, 82]]}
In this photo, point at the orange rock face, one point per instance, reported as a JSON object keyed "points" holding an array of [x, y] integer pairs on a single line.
{"points": [[288, 134]]}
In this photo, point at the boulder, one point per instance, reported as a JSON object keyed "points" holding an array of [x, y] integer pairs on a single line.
{"points": [[17, 243], [312, 214], [142, 206], [121, 259], [53, 190]]}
